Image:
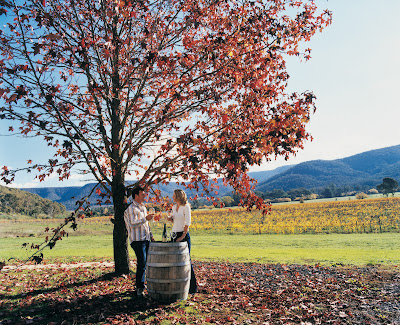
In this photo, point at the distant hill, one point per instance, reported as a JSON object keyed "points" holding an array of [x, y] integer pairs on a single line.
{"points": [[262, 176], [21, 202], [69, 195], [366, 169]]}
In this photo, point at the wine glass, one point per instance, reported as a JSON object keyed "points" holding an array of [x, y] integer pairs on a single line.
{"points": [[152, 211], [169, 214], [173, 236]]}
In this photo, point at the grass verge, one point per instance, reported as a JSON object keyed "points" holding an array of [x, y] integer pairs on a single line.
{"points": [[327, 249]]}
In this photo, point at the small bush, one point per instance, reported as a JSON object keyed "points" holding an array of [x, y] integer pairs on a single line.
{"points": [[361, 196]]}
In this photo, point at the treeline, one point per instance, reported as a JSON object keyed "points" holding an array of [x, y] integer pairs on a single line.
{"points": [[14, 201], [388, 186]]}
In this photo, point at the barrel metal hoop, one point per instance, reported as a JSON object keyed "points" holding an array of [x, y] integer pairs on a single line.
{"points": [[166, 292], [166, 252], [169, 244], [168, 281], [169, 264]]}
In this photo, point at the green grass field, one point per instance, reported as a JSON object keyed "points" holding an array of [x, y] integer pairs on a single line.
{"points": [[93, 241], [327, 249]]}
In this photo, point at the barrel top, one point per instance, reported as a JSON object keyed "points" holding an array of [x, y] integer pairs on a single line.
{"points": [[168, 244]]}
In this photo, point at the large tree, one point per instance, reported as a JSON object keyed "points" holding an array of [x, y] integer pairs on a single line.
{"points": [[389, 185], [170, 90]]}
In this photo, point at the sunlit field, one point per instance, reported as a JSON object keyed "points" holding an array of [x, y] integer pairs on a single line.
{"points": [[351, 216], [355, 232], [347, 216]]}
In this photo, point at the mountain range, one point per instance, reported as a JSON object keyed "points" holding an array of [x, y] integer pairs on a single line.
{"points": [[364, 170]]}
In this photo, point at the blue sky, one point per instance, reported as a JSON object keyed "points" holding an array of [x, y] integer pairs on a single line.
{"points": [[354, 72]]}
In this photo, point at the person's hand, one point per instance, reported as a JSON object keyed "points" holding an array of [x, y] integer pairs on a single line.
{"points": [[152, 238], [180, 238]]}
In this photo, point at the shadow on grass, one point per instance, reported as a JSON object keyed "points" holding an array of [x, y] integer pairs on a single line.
{"points": [[104, 277], [75, 303]]}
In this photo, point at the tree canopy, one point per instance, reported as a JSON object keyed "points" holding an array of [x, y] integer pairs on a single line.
{"points": [[388, 185], [161, 91]]}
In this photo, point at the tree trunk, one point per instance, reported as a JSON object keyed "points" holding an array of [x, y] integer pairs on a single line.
{"points": [[121, 254]]}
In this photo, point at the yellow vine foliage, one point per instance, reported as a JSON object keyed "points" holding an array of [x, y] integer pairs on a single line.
{"points": [[355, 216]]}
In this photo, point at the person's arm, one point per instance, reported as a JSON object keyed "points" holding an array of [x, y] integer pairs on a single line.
{"points": [[151, 235], [147, 217], [129, 216], [188, 215], [185, 231]]}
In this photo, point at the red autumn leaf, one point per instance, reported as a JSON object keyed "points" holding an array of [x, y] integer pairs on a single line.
{"points": [[134, 101]]}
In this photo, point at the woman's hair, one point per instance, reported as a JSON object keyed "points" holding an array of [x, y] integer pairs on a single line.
{"points": [[181, 196]]}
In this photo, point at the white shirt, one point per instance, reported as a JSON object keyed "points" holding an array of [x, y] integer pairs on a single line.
{"points": [[181, 216], [136, 223]]}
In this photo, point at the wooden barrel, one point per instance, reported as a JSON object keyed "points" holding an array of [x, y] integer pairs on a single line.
{"points": [[168, 271]]}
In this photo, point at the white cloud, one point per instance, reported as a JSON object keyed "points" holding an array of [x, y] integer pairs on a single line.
{"points": [[26, 181]]}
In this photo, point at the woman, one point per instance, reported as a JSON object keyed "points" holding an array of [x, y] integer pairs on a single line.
{"points": [[181, 218]]}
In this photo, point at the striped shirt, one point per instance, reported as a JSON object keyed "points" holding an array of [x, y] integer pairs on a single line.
{"points": [[136, 223]]}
